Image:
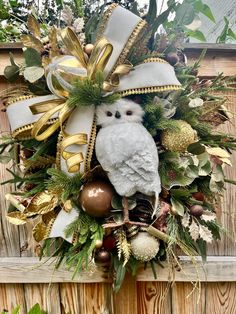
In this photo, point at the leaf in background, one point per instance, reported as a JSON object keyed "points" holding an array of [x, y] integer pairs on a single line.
{"points": [[185, 13], [217, 151], [3, 11], [196, 102], [217, 174], [216, 187], [152, 11], [223, 35], [177, 207], [205, 234], [197, 35], [204, 9], [32, 57], [11, 72], [36, 310], [5, 158], [16, 310], [120, 273], [33, 74], [196, 23], [231, 34], [194, 230], [30, 41], [33, 26], [205, 170], [208, 216]]}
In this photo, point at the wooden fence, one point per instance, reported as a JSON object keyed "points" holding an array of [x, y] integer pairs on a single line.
{"points": [[24, 281]]}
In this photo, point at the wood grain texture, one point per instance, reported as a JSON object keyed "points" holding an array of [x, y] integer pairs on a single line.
{"points": [[12, 295], [221, 298], [9, 234], [125, 300], [30, 270], [185, 300], [86, 298], [47, 295], [154, 298]]}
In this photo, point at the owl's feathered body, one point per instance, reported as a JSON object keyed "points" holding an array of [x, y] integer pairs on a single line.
{"points": [[126, 150]]}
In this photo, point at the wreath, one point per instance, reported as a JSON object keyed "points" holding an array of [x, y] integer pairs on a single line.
{"points": [[116, 157]]}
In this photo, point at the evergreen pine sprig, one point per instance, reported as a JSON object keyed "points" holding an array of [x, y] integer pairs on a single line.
{"points": [[63, 185], [88, 92], [154, 119]]}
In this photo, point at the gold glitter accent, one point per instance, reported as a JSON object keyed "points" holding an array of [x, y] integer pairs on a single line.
{"points": [[130, 42], [147, 90], [90, 146], [105, 20]]}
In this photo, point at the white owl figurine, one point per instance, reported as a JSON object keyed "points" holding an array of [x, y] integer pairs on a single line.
{"points": [[126, 150]]}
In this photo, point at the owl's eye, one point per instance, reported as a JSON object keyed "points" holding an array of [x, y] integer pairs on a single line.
{"points": [[109, 113], [129, 113]]}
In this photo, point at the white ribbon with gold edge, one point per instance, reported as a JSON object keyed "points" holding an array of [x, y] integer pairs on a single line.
{"points": [[121, 29]]}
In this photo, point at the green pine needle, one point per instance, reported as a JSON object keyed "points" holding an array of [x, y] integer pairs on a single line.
{"points": [[87, 92], [62, 184]]}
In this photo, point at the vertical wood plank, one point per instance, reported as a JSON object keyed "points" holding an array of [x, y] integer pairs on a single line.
{"points": [[125, 300], [154, 298], [95, 298], [12, 295], [221, 298], [48, 297], [186, 301], [227, 206], [9, 234]]}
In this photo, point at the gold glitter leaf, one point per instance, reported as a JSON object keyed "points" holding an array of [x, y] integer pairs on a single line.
{"points": [[40, 231], [217, 151], [42, 203], [17, 218], [54, 51], [30, 41], [33, 26], [47, 218]]}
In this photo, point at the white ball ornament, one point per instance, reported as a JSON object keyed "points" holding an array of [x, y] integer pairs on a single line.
{"points": [[144, 247]]}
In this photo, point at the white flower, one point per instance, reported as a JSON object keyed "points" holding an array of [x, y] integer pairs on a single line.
{"points": [[196, 102], [81, 37], [78, 25]]}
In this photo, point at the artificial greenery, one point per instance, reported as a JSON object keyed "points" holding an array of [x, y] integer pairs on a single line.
{"points": [[90, 91], [36, 309]]}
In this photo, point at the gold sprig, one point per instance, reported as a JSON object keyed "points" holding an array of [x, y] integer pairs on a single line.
{"points": [[123, 246]]}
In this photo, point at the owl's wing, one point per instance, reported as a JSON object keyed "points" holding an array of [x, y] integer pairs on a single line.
{"points": [[143, 164]]}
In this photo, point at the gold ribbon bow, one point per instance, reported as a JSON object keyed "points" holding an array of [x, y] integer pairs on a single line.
{"points": [[96, 63]]}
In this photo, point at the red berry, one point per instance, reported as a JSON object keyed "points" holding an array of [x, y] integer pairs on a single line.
{"points": [[199, 196], [109, 243]]}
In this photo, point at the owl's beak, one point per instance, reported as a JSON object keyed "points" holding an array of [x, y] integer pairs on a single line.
{"points": [[117, 115]]}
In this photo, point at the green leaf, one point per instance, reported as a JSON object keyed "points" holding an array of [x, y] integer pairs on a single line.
{"points": [[36, 310], [16, 310], [152, 11], [177, 207], [205, 170], [120, 273], [196, 148], [32, 57], [33, 74], [185, 13], [196, 34], [231, 34], [12, 59], [204, 9], [223, 35], [11, 72]]}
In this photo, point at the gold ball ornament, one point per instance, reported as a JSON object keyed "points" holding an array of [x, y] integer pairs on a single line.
{"points": [[178, 141], [95, 198], [61, 73], [88, 48], [144, 247]]}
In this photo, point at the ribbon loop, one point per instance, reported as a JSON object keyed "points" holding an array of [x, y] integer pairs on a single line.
{"points": [[73, 160]]}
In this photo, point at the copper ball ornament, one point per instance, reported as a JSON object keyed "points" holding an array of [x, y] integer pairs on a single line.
{"points": [[102, 257], [95, 198], [88, 48]]}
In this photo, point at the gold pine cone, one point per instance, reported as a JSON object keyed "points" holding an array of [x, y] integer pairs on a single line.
{"points": [[178, 141]]}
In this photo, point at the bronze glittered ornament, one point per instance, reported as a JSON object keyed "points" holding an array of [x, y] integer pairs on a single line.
{"points": [[95, 198], [178, 141]]}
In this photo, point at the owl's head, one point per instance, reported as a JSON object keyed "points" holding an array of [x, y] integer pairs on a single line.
{"points": [[122, 111]]}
